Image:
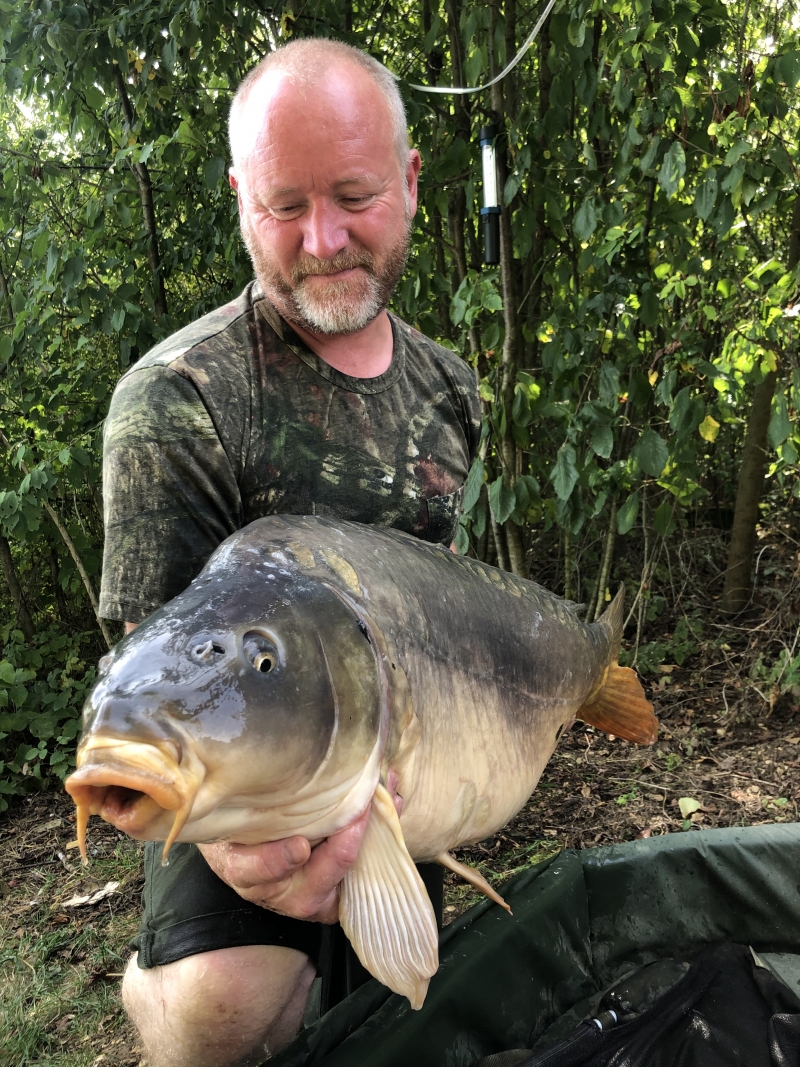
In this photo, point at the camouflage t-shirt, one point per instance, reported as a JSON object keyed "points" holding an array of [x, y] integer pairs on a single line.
{"points": [[233, 418]]}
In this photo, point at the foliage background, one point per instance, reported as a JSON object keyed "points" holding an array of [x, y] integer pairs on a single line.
{"points": [[643, 314]]}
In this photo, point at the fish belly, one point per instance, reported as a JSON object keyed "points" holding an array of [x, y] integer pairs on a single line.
{"points": [[475, 766]]}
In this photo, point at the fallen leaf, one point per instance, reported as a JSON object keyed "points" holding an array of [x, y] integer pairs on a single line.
{"points": [[647, 832], [73, 844], [53, 824], [688, 806], [667, 668], [586, 791], [92, 898]]}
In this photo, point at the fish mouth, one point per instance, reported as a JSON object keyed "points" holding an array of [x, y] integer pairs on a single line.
{"points": [[132, 786]]}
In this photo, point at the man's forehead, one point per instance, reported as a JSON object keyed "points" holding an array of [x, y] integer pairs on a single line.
{"points": [[339, 96]]}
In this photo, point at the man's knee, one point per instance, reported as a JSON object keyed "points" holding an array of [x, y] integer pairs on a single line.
{"points": [[217, 1009]]}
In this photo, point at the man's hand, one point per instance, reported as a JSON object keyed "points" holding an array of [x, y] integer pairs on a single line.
{"points": [[289, 876]]}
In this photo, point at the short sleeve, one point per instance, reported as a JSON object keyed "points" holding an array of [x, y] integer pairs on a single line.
{"points": [[170, 493]]}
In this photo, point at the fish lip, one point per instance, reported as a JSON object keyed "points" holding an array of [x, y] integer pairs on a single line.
{"points": [[130, 800], [131, 785]]}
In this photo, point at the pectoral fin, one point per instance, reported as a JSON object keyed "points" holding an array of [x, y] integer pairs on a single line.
{"points": [[385, 910], [469, 874]]}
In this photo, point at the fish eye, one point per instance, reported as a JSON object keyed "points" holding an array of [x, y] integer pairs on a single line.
{"points": [[260, 651]]}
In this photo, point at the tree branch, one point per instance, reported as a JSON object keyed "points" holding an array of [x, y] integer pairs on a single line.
{"points": [[142, 175]]}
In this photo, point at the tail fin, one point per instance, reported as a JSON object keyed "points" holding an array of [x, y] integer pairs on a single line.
{"points": [[618, 705]]}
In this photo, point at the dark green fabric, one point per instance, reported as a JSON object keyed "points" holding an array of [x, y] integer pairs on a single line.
{"points": [[187, 909], [233, 418], [580, 921]]}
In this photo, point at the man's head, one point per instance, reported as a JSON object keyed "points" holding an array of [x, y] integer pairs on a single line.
{"points": [[326, 183]]}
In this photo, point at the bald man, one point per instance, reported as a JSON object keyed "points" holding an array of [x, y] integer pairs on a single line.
{"points": [[302, 396]]}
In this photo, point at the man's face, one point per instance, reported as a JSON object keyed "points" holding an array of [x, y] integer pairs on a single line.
{"points": [[325, 204]]}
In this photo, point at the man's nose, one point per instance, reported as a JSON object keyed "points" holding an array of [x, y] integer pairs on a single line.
{"points": [[324, 230]]}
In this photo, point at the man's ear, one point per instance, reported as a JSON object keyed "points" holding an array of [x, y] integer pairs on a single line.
{"points": [[233, 181], [411, 176]]}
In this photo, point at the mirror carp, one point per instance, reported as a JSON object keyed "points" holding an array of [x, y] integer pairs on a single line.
{"points": [[308, 659]]}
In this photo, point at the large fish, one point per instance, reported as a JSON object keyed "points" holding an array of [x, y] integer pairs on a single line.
{"points": [[310, 658]]}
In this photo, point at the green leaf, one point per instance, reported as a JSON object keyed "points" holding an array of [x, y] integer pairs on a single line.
{"points": [[608, 384], [626, 516], [779, 425], [73, 271], [651, 453], [736, 151], [168, 53], [565, 472], [53, 257], [13, 78], [649, 306], [7, 672], [213, 170], [39, 246], [649, 158], [526, 490], [790, 67], [706, 196], [603, 441], [662, 519], [576, 33], [585, 222], [521, 410], [472, 486], [733, 178], [462, 540], [672, 169], [501, 500], [94, 97], [513, 183]]}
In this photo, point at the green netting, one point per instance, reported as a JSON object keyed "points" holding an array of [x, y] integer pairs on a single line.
{"points": [[580, 921]]}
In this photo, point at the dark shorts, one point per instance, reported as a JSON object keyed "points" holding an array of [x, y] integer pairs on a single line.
{"points": [[188, 909]]}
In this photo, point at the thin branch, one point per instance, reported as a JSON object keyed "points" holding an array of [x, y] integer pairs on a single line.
{"points": [[142, 176]]}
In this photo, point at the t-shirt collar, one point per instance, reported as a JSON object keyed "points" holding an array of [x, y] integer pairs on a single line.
{"points": [[347, 382]]}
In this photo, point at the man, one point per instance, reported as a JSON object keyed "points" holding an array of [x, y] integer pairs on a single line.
{"points": [[302, 396]]}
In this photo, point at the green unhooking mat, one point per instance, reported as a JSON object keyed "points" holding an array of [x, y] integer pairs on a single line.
{"points": [[581, 922]]}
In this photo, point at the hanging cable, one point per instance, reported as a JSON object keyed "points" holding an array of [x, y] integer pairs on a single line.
{"points": [[461, 90]]}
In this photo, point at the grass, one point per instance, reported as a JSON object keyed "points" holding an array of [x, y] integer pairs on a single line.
{"points": [[60, 966], [496, 869]]}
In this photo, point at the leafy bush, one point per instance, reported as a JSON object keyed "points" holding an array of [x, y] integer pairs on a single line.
{"points": [[42, 690]]}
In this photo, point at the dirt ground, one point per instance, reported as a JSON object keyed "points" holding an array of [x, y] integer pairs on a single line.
{"points": [[728, 754]]}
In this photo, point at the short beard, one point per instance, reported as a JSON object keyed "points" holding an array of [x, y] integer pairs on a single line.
{"points": [[342, 307]]}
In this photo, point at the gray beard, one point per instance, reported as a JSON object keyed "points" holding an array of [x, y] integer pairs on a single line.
{"points": [[344, 307]]}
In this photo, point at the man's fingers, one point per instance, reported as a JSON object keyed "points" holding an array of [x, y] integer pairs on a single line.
{"points": [[289, 876], [245, 866], [332, 858]]}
